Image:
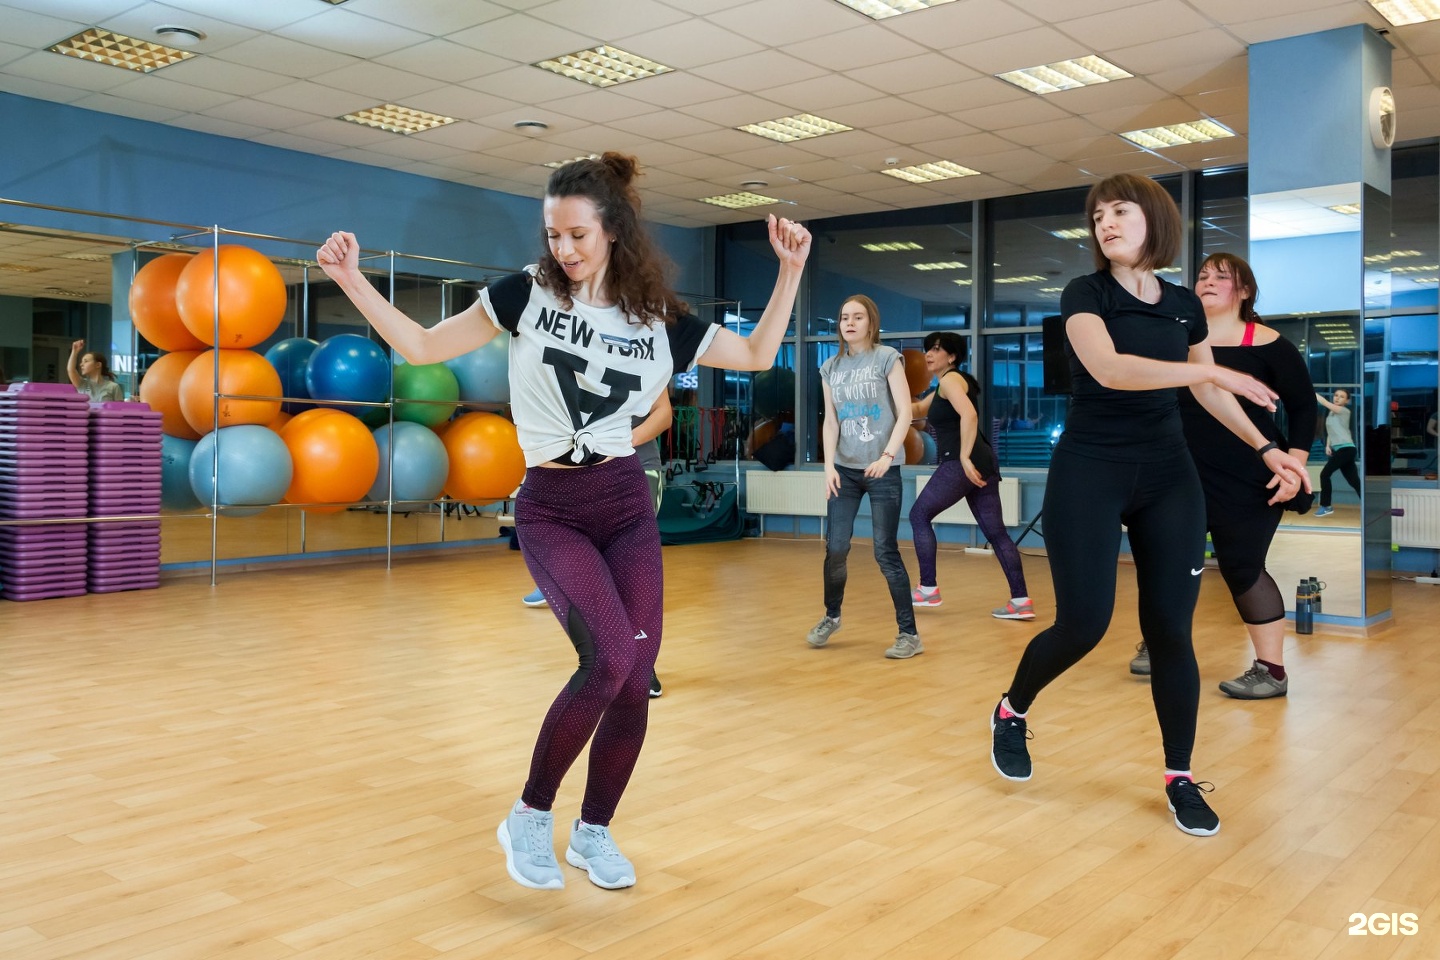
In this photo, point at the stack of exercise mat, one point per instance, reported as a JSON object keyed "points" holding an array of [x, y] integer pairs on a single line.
{"points": [[124, 482], [63, 462]]}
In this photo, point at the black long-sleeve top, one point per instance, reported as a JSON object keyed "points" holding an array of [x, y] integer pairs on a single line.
{"points": [[1229, 469]]}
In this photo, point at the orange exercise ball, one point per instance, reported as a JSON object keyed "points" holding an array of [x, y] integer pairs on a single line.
{"points": [[914, 447], [252, 297], [152, 304], [486, 463], [915, 373], [279, 422], [160, 387], [335, 459], [242, 372]]}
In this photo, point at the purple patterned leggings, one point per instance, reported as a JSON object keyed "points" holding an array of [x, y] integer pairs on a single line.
{"points": [[947, 487], [590, 539]]}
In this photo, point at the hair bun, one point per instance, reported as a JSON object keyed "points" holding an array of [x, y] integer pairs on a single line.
{"points": [[625, 168]]}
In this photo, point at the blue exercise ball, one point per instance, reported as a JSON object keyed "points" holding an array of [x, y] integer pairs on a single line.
{"points": [[484, 374], [290, 358], [928, 440], [349, 367], [420, 463], [254, 468], [175, 490]]}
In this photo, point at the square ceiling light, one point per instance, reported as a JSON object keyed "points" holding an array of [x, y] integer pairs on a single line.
{"points": [[802, 126], [1178, 134], [1064, 75], [930, 172], [1402, 13], [942, 265], [603, 66], [892, 246], [739, 201], [881, 9], [118, 50], [398, 119]]}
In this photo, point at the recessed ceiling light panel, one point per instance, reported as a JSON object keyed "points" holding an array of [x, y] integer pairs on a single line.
{"points": [[930, 172], [891, 247], [397, 119], [1178, 134], [738, 201], [1402, 13], [1065, 75], [942, 265], [603, 66], [882, 9], [118, 50], [802, 126]]}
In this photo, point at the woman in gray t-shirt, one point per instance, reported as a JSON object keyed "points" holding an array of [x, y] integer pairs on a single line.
{"points": [[867, 414]]}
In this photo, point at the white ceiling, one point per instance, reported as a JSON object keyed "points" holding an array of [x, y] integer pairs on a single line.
{"points": [[916, 88]]}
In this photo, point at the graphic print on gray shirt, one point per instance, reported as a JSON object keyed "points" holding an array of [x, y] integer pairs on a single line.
{"points": [[863, 406]]}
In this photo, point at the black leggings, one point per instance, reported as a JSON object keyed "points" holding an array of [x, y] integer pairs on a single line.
{"points": [[1086, 501], [1241, 537], [1343, 460]]}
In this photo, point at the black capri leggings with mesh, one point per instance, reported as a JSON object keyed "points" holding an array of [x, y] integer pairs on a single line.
{"points": [[1241, 536], [1161, 504]]}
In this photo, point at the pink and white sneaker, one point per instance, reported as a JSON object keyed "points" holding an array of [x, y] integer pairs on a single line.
{"points": [[919, 598], [1025, 611]]}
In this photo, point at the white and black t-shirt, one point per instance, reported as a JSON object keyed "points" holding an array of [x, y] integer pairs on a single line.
{"points": [[578, 376]]}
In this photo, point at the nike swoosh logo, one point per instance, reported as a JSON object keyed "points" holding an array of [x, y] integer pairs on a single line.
{"points": [[1196, 573], [641, 636]]}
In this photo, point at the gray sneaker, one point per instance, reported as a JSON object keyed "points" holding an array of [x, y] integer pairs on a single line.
{"points": [[820, 634], [591, 849], [1140, 665], [906, 646], [526, 836], [1256, 684]]}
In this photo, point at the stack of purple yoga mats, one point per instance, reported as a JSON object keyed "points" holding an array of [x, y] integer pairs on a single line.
{"points": [[124, 482], [44, 457], [65, 461]]}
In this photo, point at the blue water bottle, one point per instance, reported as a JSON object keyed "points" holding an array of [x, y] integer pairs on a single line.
{"points": [[1304, 609]]}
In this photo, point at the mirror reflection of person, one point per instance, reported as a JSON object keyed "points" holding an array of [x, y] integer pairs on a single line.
{"points": [[1241, 522], [91, 375], [1339, 449]]}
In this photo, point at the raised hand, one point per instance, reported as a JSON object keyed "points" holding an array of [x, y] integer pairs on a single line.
{"points": [[339, 255], [790, 241]]}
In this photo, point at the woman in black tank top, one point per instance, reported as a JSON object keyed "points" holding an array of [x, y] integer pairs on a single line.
{"points": [[967, 470]]}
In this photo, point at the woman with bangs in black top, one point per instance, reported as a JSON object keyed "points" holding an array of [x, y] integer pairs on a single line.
{"points": [[1132, 339]]}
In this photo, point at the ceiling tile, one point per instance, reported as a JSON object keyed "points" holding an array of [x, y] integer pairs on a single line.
{"points": [[214, 125], [345, 32], [434, 17], [910, 132], [376, 81], [314, 98], [602, 19], [30, 28], [471, 137], [524, 39], [1017, 113], [855, 47], [972, 145], [1202, 46], [235, 78], [1313, 21], [793, 21], [672, 90], [692, 43], [461, 103], [667, 124], [598, 106], [120, 106], [1085, 148], [925, 72], [1137, 24], [1054, 131], [1025, 48], [527, 84], [879, 110], [760, 71], [968, 95], [158, 90], [737, 110], [443, 60], [821, 94], [288, 58], [265, 114], [957, 24]]}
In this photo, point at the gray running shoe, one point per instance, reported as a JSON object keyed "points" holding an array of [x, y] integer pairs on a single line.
{"points": [[906, 646], [1256, 684], [526, 836], [1140, 666], [592, 850], [820, 634]]}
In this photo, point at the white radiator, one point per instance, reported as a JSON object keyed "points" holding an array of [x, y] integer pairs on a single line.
{"points": [[801, 493], [798, 493], [1420, 524], [960, 513]]}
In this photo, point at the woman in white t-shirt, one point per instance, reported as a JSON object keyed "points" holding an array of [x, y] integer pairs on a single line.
{"points": [[597, 333], [867, 414]]}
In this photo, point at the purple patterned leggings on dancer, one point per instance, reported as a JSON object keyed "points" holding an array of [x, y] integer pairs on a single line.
{"points": [[591, 542], [947, 487]]}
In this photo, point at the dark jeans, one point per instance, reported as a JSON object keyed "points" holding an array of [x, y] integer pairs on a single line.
{"points": [[884, 523]]}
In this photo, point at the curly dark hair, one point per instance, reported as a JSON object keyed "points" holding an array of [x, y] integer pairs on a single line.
{"points": [[637, 277]]}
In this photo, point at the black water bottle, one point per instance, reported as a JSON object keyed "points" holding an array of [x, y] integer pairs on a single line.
{"points": [[1304, 610]]}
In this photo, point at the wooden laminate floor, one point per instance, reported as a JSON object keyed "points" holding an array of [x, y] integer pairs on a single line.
{"points": [[311, 764]]}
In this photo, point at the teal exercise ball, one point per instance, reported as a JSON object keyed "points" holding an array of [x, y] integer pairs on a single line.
{"points": [[484, 374], [254, 469], [175, 490], [415, 457]]}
